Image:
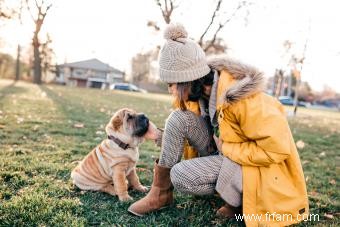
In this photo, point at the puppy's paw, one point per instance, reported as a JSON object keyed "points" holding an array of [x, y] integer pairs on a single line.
{"points": [[141, 188], [125, 198]]}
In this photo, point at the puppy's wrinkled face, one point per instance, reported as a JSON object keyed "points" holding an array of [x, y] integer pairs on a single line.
{"points": [[129, 122]]}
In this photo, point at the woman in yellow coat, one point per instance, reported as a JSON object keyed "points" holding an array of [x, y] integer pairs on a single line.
{"points": [[258, 171]]}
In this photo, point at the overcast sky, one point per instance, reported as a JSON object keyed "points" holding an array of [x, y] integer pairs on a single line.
{"points": [[114, 31]]}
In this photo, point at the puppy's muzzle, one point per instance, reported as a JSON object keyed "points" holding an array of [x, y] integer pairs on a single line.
{"points": [[142, 125]]}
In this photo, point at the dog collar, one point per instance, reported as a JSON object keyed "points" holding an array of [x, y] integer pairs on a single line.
{"points": [[118, 142]]}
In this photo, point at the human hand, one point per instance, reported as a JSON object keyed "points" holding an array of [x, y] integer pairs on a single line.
{"points": [[152, 133], [158, 141]]}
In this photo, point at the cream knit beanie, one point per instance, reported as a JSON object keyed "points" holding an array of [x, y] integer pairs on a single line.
{"points": [[181, 59]]}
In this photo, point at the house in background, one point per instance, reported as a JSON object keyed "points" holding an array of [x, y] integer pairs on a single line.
{"points": [[88, 73]]}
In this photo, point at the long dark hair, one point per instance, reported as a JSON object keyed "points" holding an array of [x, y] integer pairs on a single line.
{"points": [[193, 90]]}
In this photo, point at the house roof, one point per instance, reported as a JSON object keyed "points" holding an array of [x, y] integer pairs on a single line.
{"points": [[93, 64]]}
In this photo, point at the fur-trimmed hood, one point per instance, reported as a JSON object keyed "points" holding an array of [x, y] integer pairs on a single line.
{"points": [[249, 79]]}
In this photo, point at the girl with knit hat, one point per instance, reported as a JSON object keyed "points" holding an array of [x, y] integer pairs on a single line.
{"points": [[257, 170]]}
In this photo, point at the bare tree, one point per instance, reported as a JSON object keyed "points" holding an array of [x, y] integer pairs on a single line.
{"points": [[17, 65], [47, 55], [140, 67], [279, 77], [280, 71], [297, 68], [166, 8], [6, 66], [218, 6], [41, 10], [211, 43], [153, 24]]}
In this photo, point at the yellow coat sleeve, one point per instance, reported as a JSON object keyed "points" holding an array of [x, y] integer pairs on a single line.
{"points": [[263, 123]]}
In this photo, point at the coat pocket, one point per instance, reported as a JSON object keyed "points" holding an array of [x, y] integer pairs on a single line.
{"points": [[278, 192]]}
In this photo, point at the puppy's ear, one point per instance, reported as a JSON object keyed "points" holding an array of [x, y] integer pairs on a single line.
{"points": [[113, 125], [116, 122]]}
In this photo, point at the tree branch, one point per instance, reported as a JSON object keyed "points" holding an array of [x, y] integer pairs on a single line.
{"points": [[221, 25], [166, 12], [200, 42], [29, 10]]}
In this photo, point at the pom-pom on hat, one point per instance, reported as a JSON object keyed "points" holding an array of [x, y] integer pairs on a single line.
{"points": [[181, 59]]}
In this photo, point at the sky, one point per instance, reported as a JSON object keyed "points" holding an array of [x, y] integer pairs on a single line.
{"points": [[114, 31]]}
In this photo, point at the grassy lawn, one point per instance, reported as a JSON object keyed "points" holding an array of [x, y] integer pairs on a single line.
{"points": [[39, 146]]}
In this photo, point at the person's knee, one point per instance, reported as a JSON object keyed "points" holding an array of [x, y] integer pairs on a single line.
{"points": [[177, 177], [174, 175]]}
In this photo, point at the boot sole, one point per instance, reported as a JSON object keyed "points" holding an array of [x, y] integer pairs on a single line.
{"points": [[132, 212], [141, 215]]}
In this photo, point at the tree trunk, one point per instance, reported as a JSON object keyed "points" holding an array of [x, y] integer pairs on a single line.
{"points": [[289, 91], [37, 61], [279, 82], [296, 95], [17, 68]]}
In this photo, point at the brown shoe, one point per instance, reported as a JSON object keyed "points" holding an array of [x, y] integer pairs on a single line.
{"points": [[228, 211], [160, 195]]}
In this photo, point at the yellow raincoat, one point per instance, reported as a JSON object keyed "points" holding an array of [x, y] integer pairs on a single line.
{"points": [[256, 134]]}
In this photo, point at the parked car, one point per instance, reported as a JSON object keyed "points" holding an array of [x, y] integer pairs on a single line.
{"points": [[127, 87], [287, 100]]}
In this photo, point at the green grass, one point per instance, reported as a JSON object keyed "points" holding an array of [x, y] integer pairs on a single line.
{"points": [[39, 147]]}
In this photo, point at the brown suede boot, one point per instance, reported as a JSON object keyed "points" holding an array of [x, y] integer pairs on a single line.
{"points": [[160, 195], [228, 211]]}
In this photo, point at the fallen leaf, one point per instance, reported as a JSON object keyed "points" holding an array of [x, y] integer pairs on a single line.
{"points": [[300, 144], [322, 154], [99, 132], [329, 216], [217, 222], [1, 112], [20, 120], [307, 178], [314, 193], [78, 125], [2, 126], [305, 162], [326, 136], [102, 110], [333, 182]]}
